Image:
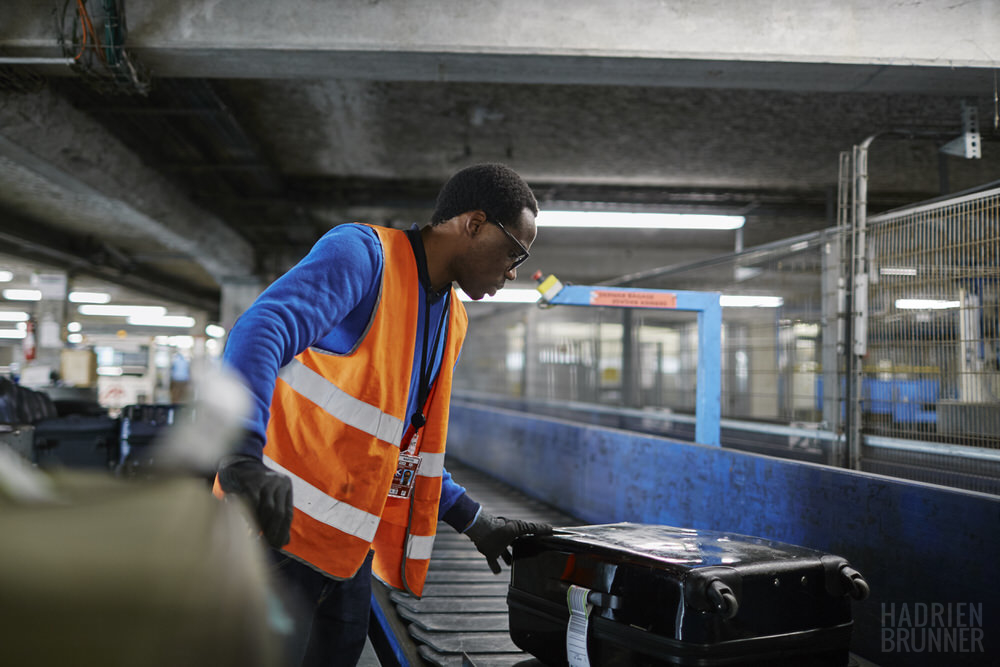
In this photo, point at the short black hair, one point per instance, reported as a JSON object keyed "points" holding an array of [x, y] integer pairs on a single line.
{"points": [[492, 188]]}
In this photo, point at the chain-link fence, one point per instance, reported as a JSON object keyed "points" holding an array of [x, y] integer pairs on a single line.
{"points": [[926, 390], [933, 363], [771, 347], [931, 374]]}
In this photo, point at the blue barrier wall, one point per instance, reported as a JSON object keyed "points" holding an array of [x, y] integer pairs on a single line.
{"points": [[916, 544]]}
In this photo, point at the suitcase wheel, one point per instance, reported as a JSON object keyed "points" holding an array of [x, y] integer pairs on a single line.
{"points": [[723, 598], [855, 584], [842, 579]]}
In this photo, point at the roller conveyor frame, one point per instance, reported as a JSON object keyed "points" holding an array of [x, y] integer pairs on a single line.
{"points": [[461, 620], [462, 617]]}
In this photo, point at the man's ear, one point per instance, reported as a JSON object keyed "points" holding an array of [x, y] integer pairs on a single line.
{"points": [[474, 221]]}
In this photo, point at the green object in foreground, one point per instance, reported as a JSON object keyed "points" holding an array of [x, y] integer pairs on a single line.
{"points": [[132, 573]]}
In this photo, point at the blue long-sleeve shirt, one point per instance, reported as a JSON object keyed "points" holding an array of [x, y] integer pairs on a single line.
{"points": [[326, 301]]}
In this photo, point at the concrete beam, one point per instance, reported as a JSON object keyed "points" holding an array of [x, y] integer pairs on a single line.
{"points": [[58, 164], [598, 263], [858, 45], [42, 247]]}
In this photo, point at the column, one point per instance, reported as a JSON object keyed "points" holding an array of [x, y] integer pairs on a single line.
{"points": [[237, 295], [49, 321]]}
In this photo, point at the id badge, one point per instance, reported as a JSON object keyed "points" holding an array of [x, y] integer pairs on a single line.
{"points": [[405, 477]]}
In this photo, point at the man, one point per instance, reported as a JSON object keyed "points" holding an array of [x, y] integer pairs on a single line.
{"points": [[349, 358]]}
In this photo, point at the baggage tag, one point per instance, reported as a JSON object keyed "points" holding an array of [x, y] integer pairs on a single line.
{"points": [[405, 477], [576, 630]]}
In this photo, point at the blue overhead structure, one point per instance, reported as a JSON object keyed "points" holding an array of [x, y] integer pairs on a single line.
{"points": [[706, 304]]}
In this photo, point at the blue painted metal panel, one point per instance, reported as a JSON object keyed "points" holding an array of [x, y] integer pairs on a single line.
{"points": [[877, 396], [915, 543], [709, 379], [380, 630], [911, 400], [708, 399]]}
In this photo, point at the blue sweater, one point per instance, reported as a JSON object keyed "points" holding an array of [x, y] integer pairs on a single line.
{"points": [[326, 301]]}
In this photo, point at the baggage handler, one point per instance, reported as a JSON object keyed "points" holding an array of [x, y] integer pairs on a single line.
{"points": [[349, 358]]}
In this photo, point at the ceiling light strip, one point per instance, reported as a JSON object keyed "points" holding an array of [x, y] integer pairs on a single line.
{"points": [[630, 220]]}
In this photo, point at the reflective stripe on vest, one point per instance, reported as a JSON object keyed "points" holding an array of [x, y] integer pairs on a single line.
{"points": [[419, 547], [338, 403], [431, 465], [311, 501]]}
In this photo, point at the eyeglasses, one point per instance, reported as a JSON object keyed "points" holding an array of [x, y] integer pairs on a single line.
{"points": [[523, 255]]}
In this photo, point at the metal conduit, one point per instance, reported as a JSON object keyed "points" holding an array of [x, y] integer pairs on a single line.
{"points": [[36, 61]]}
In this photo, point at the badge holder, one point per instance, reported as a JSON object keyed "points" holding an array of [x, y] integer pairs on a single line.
{"points": [[405, 477]]}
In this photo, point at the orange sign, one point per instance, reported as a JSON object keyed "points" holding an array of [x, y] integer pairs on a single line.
{"points": [[633, 299]]}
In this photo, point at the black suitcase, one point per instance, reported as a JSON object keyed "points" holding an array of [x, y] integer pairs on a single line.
{"points": [[8, 402], [637, 594], [77, 441], [18, 438], [141, 427]]}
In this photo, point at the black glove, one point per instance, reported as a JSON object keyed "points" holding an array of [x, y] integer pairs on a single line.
{"points": [[493, 534], [269, 494]]}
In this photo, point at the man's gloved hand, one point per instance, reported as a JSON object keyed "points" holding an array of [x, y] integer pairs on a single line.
{"points": [[269, 494], [493, 534]]}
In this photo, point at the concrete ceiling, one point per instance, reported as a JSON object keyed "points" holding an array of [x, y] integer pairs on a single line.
{"points": [[267, 123]]}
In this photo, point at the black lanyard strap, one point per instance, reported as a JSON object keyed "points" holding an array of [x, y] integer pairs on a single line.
{"points": [[426, 369]]}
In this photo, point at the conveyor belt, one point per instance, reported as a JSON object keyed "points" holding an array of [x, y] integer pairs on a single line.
{"points": [[462, 617], [461, 620]]}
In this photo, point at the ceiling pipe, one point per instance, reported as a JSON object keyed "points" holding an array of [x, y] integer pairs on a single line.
{"points": [[36, 61], [73, 263]]}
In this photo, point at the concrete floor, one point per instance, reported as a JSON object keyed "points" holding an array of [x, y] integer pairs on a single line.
{"points": [[368, 658]]}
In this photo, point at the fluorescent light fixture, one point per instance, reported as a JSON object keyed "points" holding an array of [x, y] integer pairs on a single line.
{"points": [[121, 311], [12, 333], [926, 304], [89, 297], [804, 330], [215, 331], [74, 338], [22, 294], [74, 327], [896, 271], [181, 321], [509, 295], [750, 301], [6, 276], [112, 371], [13, 316], [627, 220], [183, 342]]}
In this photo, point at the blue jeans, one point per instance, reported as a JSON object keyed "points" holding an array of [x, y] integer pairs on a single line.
{"points": [[331, 616]]}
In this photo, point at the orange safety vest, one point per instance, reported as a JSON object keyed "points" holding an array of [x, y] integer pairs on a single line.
{"points": [[337, 422]]}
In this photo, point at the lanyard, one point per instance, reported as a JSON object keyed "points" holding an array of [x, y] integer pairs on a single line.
{"points": [[427, 367]]}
